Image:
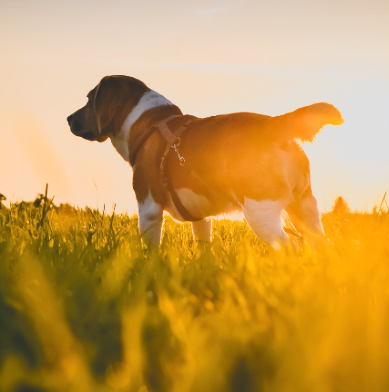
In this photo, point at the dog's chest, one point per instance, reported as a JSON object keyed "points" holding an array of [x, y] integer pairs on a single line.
{"points": [[120, 142]]}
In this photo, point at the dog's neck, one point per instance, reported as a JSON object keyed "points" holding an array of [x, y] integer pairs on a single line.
{"points": [[150, 100]]}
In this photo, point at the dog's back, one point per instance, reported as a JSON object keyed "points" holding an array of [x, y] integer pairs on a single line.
{"points": [[250, 154]]}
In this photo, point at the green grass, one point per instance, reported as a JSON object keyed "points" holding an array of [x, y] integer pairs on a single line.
{"points": [[85, 307]]}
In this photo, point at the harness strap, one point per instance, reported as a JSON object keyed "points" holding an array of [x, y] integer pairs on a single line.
{"points": [[173, 141], [166, 133]]}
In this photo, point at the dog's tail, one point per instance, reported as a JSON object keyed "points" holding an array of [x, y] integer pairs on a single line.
{"points": [[305, 123]]}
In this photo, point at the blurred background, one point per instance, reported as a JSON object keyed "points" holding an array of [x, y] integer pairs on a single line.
{"points": [[208, 57]]}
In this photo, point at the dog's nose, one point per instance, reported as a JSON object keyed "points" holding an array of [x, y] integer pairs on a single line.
{"points": [[70, 119], [75, 126]]}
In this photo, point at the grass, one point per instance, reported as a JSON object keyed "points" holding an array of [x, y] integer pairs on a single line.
{"points": [[85, 307]]}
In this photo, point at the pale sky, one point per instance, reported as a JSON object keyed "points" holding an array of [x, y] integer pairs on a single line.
{"points": [[207, 57]]}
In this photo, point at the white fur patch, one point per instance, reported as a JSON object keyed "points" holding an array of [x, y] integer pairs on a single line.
{"points": [[150, 220], [149, 100], [197, 205], [264, 218], [202, 230]]}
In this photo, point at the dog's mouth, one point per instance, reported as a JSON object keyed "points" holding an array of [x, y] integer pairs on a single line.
{"points": [[91, 136], [88, 136], [75, 129], [76, 132]]}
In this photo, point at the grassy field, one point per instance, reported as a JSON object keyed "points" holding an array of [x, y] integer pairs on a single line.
{"points": [[85, 307]]}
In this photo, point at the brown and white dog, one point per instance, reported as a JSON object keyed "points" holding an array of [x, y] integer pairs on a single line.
{"points": [[239, 161]]}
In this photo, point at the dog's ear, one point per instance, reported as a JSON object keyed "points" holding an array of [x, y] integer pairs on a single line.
{"points": [[108, 98]]}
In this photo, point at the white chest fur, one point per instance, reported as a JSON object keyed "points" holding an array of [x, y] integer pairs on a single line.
{"points": [[149, 100]]}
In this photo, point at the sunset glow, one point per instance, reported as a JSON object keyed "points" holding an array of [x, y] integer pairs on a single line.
{"points": [[194, 196], [206, 57]]}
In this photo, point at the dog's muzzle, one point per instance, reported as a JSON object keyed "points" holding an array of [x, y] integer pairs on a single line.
{"points": [[75, 126]]}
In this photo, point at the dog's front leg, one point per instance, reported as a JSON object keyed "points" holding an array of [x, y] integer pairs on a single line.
{"points": [[150, 221]]}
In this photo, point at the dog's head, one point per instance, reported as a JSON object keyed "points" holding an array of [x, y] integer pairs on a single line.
{"points": [[108, 102]]}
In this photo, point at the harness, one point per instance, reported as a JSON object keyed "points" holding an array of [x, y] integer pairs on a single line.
{"points": [[173, 142]]}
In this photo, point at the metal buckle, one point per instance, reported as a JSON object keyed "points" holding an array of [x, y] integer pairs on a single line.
{"points": [[175, 148]]}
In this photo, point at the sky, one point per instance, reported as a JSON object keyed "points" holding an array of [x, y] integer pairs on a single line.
{"points": [[208, 58]]}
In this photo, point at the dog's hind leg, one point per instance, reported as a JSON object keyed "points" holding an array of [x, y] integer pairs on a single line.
{"points": [[150, 221], [305, 216], [202, 230], [264, 218]]}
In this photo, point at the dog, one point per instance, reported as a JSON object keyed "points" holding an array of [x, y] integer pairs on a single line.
{"points": [[195, 168]]}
